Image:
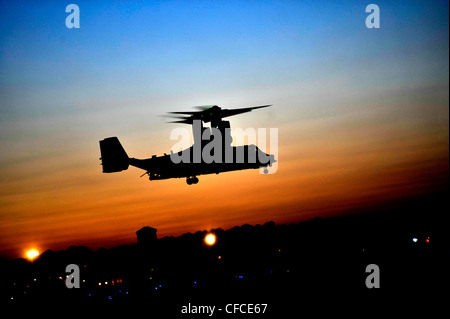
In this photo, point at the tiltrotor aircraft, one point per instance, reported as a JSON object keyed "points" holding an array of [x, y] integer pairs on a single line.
{"points": [[225, 157]]}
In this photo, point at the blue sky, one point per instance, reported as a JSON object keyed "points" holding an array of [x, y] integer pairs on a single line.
{"points": [[133, 48]]}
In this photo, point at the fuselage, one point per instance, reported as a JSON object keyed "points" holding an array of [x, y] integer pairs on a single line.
{"points": [[233, 158]]}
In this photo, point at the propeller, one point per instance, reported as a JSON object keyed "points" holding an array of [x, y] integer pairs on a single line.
{"points": [[203, 107], [208, 113]]}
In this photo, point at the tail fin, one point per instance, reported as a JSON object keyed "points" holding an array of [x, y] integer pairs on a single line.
{"points": [[114, 158]]}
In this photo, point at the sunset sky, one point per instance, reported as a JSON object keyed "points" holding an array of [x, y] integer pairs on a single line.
{"points": [[362, 114]]}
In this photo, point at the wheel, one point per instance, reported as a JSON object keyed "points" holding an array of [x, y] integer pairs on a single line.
{"points": [[189, 181], [195, 180], [266, 171]]}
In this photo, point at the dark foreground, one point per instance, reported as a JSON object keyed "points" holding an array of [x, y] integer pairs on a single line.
{"points": [[318, 265]]}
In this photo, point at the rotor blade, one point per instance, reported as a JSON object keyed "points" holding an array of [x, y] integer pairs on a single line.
{"points": [[174, 116], [260, 107], [203, 107], [186, 121], [215, 113], [186, 113], [226, 113]]}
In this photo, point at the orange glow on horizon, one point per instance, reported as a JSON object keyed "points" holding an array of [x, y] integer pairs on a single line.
{"points": [[323, 171]]}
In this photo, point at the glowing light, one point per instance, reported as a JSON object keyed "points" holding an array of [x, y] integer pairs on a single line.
{"points": [[427, 240], [415, 239], [32, 253], [210, 239]]}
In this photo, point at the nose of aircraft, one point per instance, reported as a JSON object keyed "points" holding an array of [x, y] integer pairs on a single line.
{"points": [[272, 160]]}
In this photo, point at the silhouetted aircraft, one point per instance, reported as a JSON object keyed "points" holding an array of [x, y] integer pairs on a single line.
{"points": [[211, 152]]}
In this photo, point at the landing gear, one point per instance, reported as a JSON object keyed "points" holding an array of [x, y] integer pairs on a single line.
{"points": [[192, 180], [266, 171]]}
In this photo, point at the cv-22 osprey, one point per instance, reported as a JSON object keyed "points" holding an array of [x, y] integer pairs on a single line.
{"points": [[226, 158]]}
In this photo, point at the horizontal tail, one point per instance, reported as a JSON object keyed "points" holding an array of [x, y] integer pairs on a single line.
{"points": [[114, 158]]}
